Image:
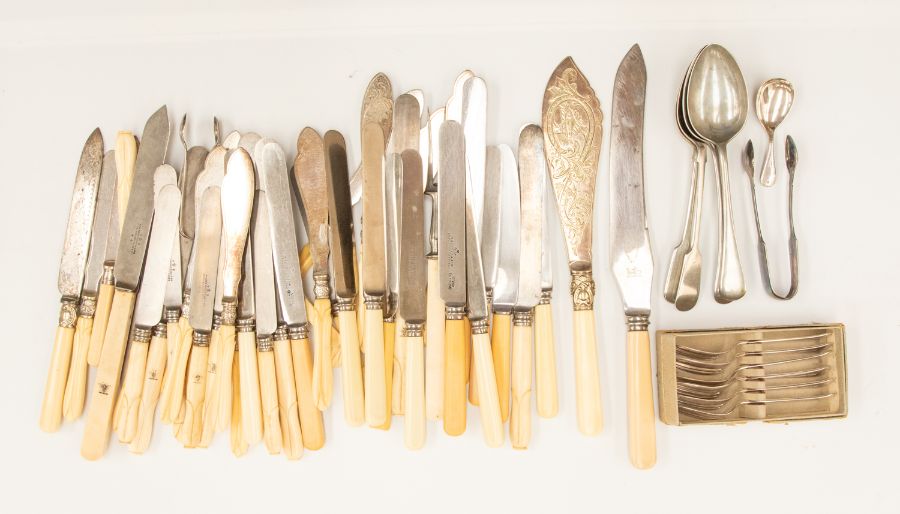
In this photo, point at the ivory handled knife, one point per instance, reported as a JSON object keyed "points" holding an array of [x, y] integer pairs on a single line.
{"points": [[76, 384], [392, 326], [107, 280], [532, 174], [572, 135], [129, 260], [434, 323], [546, 394], [71, 274], [247, 364], [342, 245], [312, 184], [630, 256]]}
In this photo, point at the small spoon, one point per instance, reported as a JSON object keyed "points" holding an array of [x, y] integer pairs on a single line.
{"points": [[773, 102]]}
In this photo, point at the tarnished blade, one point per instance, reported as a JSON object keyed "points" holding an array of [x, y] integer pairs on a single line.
{"points": [[136, 227], [629, 242], [474, 122], [393, 166], [310, 179], [263, 268], [106, 199], [507, 283], [378, 105], [148, 310], [195, 158], [81, 217], [238, 188], [212, 175], [373, 210], [208, 243], [532, 173], [246, 298], [546, 263], [452, 191], [476, 299], [573, 131], [490, 230], [340, 211], [165, 175], [413, 277], [407, 124]]}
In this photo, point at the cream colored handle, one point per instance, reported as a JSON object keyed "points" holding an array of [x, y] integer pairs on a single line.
{"points": [[126, 156], [210, 411], [522, 365], [454, 377], [292, 437], [106, 382], [471, 372], [191, 429], [310, 415], [323, 375], [388, 336], [239, 444], [127, 409], [434, 344], [251, 402], [173, 337], [587, 374], [224, 393], [153, 378], [76, 382], [101, 318], [500, 349], [414, 420], [398, 376], [489, 402], [545, 362], [376, 398], [268, 394], [351, 370], [52, 406], [173, 383], [641, 417]]}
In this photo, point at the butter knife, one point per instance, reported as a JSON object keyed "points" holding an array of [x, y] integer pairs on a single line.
{"points": [[434, 324]]}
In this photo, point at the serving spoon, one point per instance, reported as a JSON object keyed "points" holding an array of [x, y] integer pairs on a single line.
{"points": [[773, 102]]}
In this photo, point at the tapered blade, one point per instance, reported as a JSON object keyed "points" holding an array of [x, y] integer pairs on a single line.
{"points": [[195, 158], [208, 242], [246, 297], [546, 256], [212, 175], [532, 173], [263, 268], [629, 243], [106, 200], [572, 124], [452, 221], [393, 166], [341, 214], [490, 231], [238, 187], [476, 298], [506, 285], [373, 229], [413, 277], [274, 181], [149, 306], [81, 217], [164, 176], [474, 122], [138, 214], [310, 179]]}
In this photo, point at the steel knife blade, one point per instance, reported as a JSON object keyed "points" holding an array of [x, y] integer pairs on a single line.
{"points": [[341, 214], [263, 268], [490, 230], [136, 226], [454, 107], [106, 201], [312, 183], [532, 170], [412, 272], [378, 105], [194, 161], [546, 262], [452, 222], [81, 217], [246, 297], [431, 183], [373, 228], [212, 175], [392, 170], [407, 124], [209, 241], [237, 201], [149, 307], [474, 122], [630, 255], [476, 298], [506, 285], [165, 175]]}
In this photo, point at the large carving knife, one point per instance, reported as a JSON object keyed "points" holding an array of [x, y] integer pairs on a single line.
{"points": [[76, 385], [532, 174], [547, 396], [71, 277], [452, 262], [630, 256], [434, 324], [129, 260], [311, 180], [572, 135], [342, 245]]}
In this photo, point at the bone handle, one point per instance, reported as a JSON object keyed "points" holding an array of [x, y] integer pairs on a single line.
{"points": [[126, 157], [157, 358], [641, 417], [454, 376], [389, 336], [414, 403], [191, 428], [500, 349], [545, 362], [489, 402], [292, 437], [268, 393], [224, 393], [129, 402], [213, 375], [239, 444], [434, 344], [251, 401], [310, 416], [398, 363], [351, 369], [174, 382], [375, 387], [587, 374], [52, 406], [522, 366], [76, 382], [101, 318], [323, 376]]}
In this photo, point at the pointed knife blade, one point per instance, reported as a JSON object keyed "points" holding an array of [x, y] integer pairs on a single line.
{"points": [[81, 217], [341, 214], [506, 285], [237, 201], [412, 272], [263, 268], [373, 229], [138, 214], [106, 197], [630, 255], [149, 307], [452, 222], [208, 243], [310, 179], [532, 170]]}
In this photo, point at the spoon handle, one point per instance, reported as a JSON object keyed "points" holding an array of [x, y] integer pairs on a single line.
{"points": [[729, 277], [767, 176], [689, 235]]}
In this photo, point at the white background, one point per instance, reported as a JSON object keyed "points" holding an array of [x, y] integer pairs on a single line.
{"points": [[66, 67]]}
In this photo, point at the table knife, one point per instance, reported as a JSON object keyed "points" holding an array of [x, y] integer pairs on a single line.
{"points": [[342, 246], [506, 273], [251, 421], [532, 173], [547, 396], [390, 328], [71, 274], [76, 384], [412, 280], [452, 263], [311, 181], [129, 260], [107, 280], [434, 323], [572, 135], [490, 240], [630, 255]]}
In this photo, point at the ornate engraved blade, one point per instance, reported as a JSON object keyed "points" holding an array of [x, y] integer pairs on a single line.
{"points": [[378, 105]]}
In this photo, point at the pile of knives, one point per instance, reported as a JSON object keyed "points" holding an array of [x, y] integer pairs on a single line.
{"points": [[229, 322]]}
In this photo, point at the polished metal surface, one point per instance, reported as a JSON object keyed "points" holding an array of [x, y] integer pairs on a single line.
{"points": [[407, 124], [546, 254], [81, 217], [212, 175], [452, 223], [474, 123], [232, 140], [532, 173], [491, 228], [630, 256], [263, 268], [773, 102], [476, 298], [392, 170], [572, 124], [149, 307], [431, 181], [196, 158], [136, 226], [341, 214], [716, 108], [269, 158], [208, 243], [238, 187], [373, 228], [310, 179], [412, 272], [106, 200], [378, 106], [165, 176], [506, 285], [454, 107], [247, 297]]}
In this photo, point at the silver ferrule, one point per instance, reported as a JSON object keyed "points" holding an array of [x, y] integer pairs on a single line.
{"points": [[160, 330], [107, 278], [141, 335], [412, 329], [343, 304], [452, 312], [523, 318], [489, 296], [172, 314], [546, 296], [246, 325], [87, 307], [264, 343], [200, 338], [186, 304], [281, 333], [297, 332], [68, 311], [229, 311], [480, 326], [217, 320], [638, 323], [373, 303], [322, 286]]}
